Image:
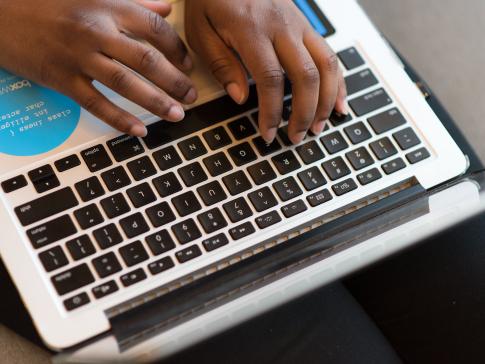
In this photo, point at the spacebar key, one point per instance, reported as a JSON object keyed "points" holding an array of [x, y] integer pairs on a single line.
{"points": [[46, 206]]}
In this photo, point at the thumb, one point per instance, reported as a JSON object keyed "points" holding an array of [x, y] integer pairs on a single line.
{"points": [[160, 7]]}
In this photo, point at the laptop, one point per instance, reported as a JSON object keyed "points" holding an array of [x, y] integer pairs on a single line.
{"points": [[134, 249]]}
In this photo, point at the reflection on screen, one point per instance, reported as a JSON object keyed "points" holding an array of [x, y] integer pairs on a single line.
{"points": [[310, 10]]}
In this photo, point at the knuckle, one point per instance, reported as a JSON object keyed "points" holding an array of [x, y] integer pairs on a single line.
{"points": [[272, 78], [331, 63], [118, 121], [118, 80], [220, 66], [149, 57], [180, 86], [156, 23], [310, 73], [91, 103], [158, 104]]}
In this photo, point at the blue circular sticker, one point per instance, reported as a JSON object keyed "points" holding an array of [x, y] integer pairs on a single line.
{"points": [[33, 119]]}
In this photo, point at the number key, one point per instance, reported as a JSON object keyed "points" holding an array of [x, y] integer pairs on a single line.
{"points": [[263, 199], [186, 231], [336, 168]]}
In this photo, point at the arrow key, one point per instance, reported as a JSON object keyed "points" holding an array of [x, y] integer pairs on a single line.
{"points": [[105, 289]]}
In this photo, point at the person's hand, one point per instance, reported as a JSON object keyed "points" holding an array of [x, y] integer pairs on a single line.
{"points": [[269, 36], [66, 44]]}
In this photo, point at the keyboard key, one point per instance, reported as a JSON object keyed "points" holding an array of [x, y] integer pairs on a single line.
{"points": [[160, 214], [161, 265], [336, 168], [319, 198], [344, 187], [186, 203], [386, 121], [237, 183], [115, 206], [264, 148], [51, 231], [67, 163], [186, 231], [46, 206], [242, 128], [53, 259], [242, 154], [89, 189], [116, 178], [106, 265], [14, 184], [370, 102], [134, 225], [167, 158], [44, 179], [72, 279], [283, 134], [312, 178], [107, 236], [160, 242], [418, 155], [212, 221], [238, 210], [310, 152], [242, 231], [294, 208], [212, 193], [393, 166], [77, 301], [141, 168], [134, 277], [188, 254], [217, 164], [263, 199], [141, 195], [215, 242], [287, 110], [369, 176], [360, 81], [360, 158], [96, 158], [338, 119], [88, 216], [125, 147], [261, 173], [287, 189], [268, 220], [334, 142], [193, 174], [133, 253], [357, 133], [81, 247], [167, 185], [383, 148], [192, 148], [406, 139], [286, 162], [217, 138], [105, 289], [351, 58]]}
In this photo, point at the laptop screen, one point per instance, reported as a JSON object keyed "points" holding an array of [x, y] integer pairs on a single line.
{"points": [[316, 17]]}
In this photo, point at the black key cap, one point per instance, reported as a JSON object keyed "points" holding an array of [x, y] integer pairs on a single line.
{"points": [[215, 242], [141, 168], [47, 184], [133, 253], [125, 147], [319, 198], [51, 231], [212, 221], [294, 208], [287, 189], [134, 225], [107, 236], [14, 184], [88, 216], [217, 164], [238, 209], [393, 166], [263, 199], [360, 158], [53, 258], [41, 173], [115, 206], [186, 231], [167, 185], [186, 203], [89, 189], [287, 110], [418, 155], [160, 242], [67, 163], [286, 162], [344, 187], [241, 231], [106, 265], [237, 183], [262, 172], [283, 134], [310, 152], [188, 254], [370, 102], [351, 58], [268, 220], [383, 148], [116, 178], [96, 158], [72, 279], [141, 195], [264, 148], [334, 142], [369, 176], [242, 128], [217, 138], [212, 193], [193, 174], [336, 168], [360, 81], [406, 138], [167, 158], [338, 119], [192, 148], [105, 289], [312, 178], [134, 277], [242, 154], [46, 206], [357, 133], [161, 265], [386, 121], [77, 301], [81, 247], [160, 214]]}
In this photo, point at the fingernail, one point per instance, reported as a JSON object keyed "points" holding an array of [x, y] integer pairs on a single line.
{"points": [[187, 64], [235, 92], [318, 127], [270, 135], [191, 96], [139, 130], [298, 137], [176, 113], [344, 108]]}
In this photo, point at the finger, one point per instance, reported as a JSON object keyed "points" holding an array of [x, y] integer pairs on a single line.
{"points": [[162, 8], [341, 106]]}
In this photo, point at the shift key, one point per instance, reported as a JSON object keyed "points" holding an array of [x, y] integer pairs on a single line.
{"points": [[51, 231]]}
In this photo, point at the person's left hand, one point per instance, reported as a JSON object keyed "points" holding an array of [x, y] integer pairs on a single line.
{"points": [[270, 36]]}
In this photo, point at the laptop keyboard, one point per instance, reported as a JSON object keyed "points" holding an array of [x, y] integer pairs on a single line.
{"points": [[192, 188]]}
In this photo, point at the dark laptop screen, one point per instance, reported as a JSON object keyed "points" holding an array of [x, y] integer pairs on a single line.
{"points": [[316, 17]]}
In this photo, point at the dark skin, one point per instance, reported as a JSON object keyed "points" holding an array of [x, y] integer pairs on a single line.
{"points": [[67, 44]]}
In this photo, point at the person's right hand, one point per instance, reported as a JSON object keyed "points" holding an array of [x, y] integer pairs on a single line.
{"points": [[66, 44]]}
